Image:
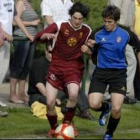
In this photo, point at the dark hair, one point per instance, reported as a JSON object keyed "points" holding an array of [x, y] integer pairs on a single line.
{"points": [[81, 8], [111, 12]]}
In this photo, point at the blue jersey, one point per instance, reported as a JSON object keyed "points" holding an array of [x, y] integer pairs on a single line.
{"points": [[111, 47]]}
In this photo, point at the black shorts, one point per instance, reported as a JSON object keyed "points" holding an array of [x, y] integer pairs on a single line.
{"points": [[115, 78]]}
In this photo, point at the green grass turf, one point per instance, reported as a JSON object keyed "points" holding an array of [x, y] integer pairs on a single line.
{"points": [[20, 123]]}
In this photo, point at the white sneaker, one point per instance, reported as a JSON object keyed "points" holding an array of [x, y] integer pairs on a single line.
{"points": [[2, 104], [3, 114]]}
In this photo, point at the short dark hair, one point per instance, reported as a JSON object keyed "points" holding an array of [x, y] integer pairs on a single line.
{"points": [[112, 12], [81, 8]]}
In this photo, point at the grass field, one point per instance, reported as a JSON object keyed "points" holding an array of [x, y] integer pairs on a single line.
{"points": [[20, 124]]}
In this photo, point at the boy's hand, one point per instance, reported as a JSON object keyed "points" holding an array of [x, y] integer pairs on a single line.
{"points": [[47, 36], [91, 43]]}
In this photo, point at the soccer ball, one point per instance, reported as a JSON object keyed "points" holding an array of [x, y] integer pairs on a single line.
{"points": [[64, 131]]}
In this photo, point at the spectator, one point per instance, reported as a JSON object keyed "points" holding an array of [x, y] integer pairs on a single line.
{"points": [[37, 79], [2, 114], [127, 9], [136, 28], [23, 51], [7, 14], [66, 68], [111, 41], [54, 11]]}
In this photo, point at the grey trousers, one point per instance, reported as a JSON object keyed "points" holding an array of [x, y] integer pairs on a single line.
{"points": [[4, 60], [131, 68]]}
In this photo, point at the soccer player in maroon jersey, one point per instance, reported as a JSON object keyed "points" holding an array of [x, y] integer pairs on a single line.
{"points": [[67, 66]]}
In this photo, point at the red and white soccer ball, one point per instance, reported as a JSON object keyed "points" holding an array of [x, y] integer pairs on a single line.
{"points": [[64, 131]]}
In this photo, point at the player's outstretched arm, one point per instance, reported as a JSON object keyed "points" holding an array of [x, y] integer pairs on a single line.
{"points": [[47, 36]]}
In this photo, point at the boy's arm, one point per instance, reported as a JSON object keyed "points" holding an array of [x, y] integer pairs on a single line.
{"points": [[46, 34]]}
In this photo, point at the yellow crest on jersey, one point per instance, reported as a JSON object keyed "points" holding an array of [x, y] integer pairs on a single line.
{"points": [[71, 41]]}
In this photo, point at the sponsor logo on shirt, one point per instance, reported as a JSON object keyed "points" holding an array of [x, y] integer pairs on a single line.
{"points": [[52, 76], [118, 39], [123, 89], [103, 39], [81, 35], [66, 32], [8, 6]]}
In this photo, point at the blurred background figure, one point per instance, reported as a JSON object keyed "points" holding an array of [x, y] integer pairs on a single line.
{"points": [[136, 28], [7, 14], [56, 10], [2, 113], [23, 51]]}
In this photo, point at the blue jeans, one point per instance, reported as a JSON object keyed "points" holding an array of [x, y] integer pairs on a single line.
{"points": [[22, 59]]}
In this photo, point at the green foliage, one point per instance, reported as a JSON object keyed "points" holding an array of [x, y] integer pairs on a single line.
{"points": [[36, 6]]}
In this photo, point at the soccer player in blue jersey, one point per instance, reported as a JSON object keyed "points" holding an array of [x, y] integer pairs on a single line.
{"points": [[111, 40]]}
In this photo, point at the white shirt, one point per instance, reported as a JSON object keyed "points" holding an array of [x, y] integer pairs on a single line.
{"points": [[127, 8], [56, 8], [6, 15]]}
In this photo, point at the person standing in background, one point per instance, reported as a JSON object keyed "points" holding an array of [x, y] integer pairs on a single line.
{"points": [[37, 79], [2, 113], [23, 51], [136, 28], [7, 14], [127, 8], [57, 10]]}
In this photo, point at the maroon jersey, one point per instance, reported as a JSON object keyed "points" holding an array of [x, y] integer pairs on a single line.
{"points": [[66, 54]]}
